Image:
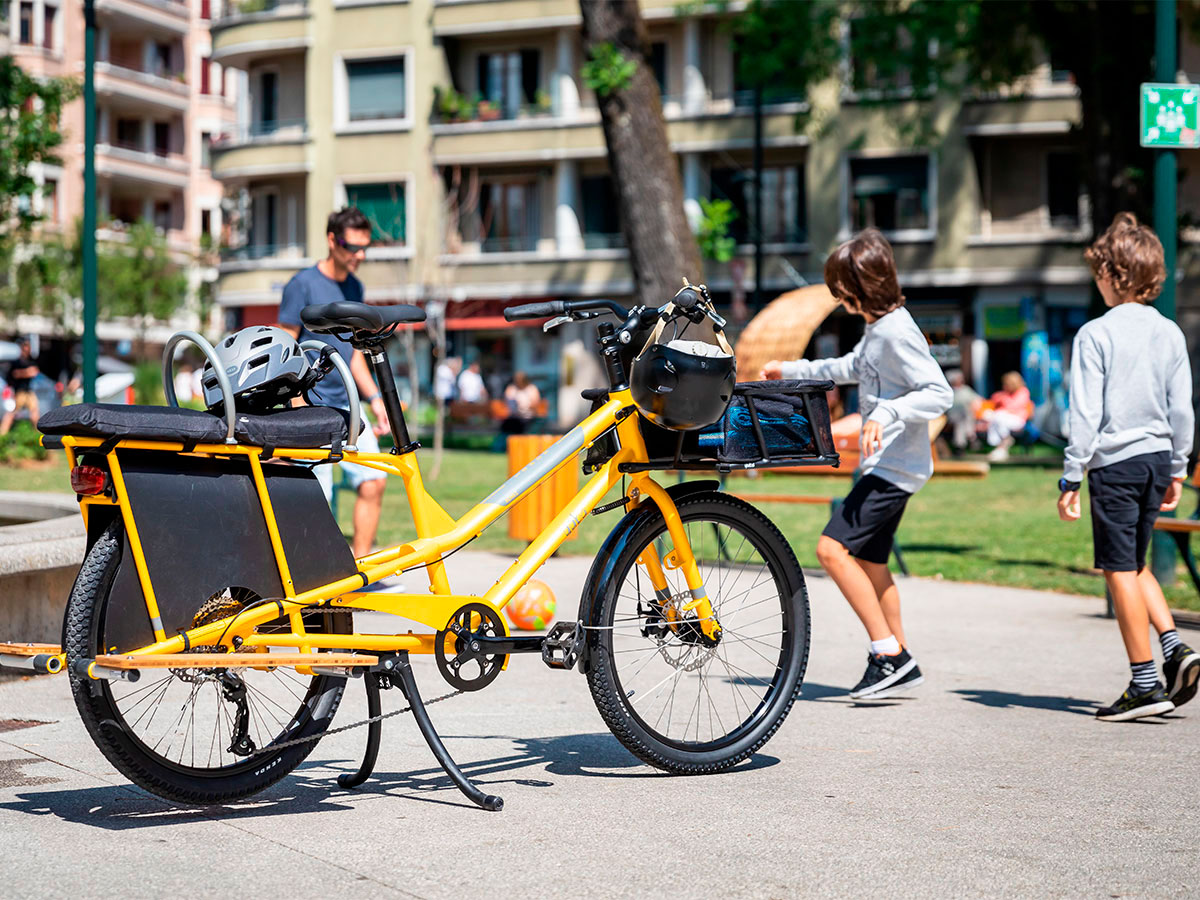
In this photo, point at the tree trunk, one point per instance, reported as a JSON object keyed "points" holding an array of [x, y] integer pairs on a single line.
{"points": [[662, 247]]}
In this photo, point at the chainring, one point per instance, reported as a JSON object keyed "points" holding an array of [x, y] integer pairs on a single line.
{"points": [[467, 667]]}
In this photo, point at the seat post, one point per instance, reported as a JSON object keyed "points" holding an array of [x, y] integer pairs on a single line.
{"points": [[382, 370]]}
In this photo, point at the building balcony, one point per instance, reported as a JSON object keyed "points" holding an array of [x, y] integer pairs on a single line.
{"points": [[167, 15], [254, 29], [242, 156], [257, 282], [276, 131], [160, 90], [1020, 115], [147, 167], [257, 257]]}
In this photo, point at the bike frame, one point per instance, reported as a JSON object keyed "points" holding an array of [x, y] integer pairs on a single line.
{"points": [[437, 536]]}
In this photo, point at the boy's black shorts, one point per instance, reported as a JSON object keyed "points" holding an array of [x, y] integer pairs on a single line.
{"points": [[866, 522], [1125, 498]]}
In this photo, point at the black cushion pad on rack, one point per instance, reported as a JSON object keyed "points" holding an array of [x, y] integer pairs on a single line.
{"points": [[299, 427]]}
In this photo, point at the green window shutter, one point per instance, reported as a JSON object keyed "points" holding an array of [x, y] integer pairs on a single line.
{"points": [[376, 89], [384, 207]]}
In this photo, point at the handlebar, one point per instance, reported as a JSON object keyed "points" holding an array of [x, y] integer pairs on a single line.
{"points": [[561, 308]]}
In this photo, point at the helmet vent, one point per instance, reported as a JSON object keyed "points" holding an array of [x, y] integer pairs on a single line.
{"points": [[261, 341], [259, 361]]}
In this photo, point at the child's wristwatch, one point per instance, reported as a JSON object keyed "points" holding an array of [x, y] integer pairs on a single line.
{"points": [[1067, 486]]}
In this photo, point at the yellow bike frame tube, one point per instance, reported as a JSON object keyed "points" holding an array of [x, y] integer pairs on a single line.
{"points": [[135, 544], [415, 643], [295, 616]]}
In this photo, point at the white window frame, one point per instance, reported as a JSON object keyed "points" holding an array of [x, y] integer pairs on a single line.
{"points": [[341, 92], [341, 198], [900, 235]]}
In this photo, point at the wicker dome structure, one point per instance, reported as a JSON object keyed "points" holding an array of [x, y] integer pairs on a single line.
{"points": [[783, 329]]}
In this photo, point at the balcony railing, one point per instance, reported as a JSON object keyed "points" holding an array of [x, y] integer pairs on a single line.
{"points": [[160, 78], [133, 152], [521, 243], [272, 131], [598, 241], [238, 9], [251, 252]]}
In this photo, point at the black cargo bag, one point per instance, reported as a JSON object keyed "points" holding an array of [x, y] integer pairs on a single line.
{"points": [[770, 421]]}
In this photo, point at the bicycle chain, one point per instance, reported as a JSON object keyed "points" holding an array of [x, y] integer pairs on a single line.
{"points": [[324, 734]]}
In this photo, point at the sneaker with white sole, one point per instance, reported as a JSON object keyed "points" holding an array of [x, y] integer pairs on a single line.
{"points": [[887, 675], [1132, 705], [1182, 674]]}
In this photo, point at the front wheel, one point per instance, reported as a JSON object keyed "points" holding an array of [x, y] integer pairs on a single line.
{"points": [[677, 699]]}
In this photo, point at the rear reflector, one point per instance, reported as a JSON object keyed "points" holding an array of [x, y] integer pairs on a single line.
{"points": [[88, 480]]}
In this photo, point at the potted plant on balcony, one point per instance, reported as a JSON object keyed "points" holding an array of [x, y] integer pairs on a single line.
{"points": [[486, 111], [542, 104]]}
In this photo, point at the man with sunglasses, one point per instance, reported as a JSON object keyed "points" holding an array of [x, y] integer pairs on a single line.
{"points": [[348, 234]]}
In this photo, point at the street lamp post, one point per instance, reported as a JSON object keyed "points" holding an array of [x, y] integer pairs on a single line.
{"points": [[1166, 223], [88, 237]]}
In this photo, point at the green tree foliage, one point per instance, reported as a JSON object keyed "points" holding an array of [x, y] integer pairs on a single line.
{"points": [[29, 113], [608, 70], [713, 235], [139, 279]]}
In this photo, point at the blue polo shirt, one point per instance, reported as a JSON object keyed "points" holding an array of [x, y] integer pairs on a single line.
{"points": [[311, 286]]}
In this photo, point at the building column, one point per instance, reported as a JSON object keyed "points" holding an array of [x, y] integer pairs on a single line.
{"points": [[567, 233], [148, 135], [103, 126], [39, 22], [691, 189], [566, 91], [695, 93], [103, 46], [148, 208]]}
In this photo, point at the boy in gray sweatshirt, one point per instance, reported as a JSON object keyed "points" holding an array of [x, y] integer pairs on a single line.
{"points": [[1131, 429], [900, 388]]}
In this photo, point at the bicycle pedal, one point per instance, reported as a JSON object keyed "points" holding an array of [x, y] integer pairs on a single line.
{"points": [[560, 648]]}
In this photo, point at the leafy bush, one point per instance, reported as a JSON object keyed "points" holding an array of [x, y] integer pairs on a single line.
{"points": [[21, 443], [147, 384]]}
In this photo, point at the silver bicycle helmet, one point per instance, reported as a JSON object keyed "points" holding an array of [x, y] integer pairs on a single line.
{"points": [[265, 365]]}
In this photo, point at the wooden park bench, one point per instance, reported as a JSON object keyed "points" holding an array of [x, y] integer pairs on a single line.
{"points": [[1183, 529]]}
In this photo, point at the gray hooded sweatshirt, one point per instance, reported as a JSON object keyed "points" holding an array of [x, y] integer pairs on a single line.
{"points": [[900, 386]]}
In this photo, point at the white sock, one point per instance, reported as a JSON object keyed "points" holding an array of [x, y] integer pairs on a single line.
{"points": [[889, 646]]}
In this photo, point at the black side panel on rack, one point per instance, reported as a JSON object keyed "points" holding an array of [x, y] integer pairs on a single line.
{"points": [[202, 530]]}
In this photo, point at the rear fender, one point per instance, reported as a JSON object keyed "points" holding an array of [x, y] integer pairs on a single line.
{"points": [[603, 567]]}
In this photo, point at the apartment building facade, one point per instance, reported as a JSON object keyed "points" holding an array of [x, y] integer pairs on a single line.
{"points": [[159, 98], [464, 130]]}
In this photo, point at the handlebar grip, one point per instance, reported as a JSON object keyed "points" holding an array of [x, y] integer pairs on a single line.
{"points": [[686, 298], [535, 310]]}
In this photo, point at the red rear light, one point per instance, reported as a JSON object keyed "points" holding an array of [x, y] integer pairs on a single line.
{"points": [[88, 480]]}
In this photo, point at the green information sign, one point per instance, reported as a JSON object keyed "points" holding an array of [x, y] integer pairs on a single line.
{"points": [[1169, 115]]}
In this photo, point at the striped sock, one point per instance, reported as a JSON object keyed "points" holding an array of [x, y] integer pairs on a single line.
{"points": [[1170, 640], [1145, 676]]}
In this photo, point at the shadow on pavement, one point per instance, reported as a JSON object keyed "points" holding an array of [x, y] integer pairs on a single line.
{"points": [[313, 787], [1008, 700], [827, 693]]}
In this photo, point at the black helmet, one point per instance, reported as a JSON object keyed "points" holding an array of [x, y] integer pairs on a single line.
{"points": [[683, 385]]}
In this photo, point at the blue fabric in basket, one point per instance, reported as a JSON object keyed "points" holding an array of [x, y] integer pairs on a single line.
{"points": [[785, 430]]}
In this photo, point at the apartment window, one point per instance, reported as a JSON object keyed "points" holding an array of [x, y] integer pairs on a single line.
{"points": [[510, 217], [206, 75], [162, 138], [206, 149], [161, 60], [783, 203], [509, 81], [206, 222], [1063, 178], [376, 89], [206, 9], [268, 100], [601, 217], [658, 64], [25, 34], [224, 93], [129, 134], [50, 13], [162, 214], [50, 199], [383, 205], [890, 194], [265, 231]]}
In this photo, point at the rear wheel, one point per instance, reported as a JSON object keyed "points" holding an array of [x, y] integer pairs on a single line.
{"points": [[196, 736], [677, 699]]}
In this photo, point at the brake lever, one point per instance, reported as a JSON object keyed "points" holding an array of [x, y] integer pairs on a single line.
{"points": [[579, 316]]}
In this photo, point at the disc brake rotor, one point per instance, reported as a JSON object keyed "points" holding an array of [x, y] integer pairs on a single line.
{"points": [[682, 644]]}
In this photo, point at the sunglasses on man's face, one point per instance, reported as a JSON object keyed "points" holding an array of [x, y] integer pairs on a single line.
{"points": [[353, 248]]}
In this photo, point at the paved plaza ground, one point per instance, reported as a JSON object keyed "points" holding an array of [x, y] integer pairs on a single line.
{"points": [[992, 779]]}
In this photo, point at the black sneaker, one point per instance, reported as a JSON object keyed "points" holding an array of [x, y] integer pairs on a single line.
{"points": [[887, 675], [1132, 705], [1182, 674]]}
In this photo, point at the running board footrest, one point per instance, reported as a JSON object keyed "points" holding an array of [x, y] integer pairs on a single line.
{"points": [[125, 661], [46, 659]]}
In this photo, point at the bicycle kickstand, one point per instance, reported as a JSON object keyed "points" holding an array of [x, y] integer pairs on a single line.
{"points": [[374, 730], [408, 685]]}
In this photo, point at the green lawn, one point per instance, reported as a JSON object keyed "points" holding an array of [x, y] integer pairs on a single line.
{"points": [[1002, 529]]}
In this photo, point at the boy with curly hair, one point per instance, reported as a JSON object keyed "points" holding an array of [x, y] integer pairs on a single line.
{"points": [[1131, 426]]}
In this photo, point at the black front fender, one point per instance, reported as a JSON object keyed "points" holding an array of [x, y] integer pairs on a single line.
{"points": [[610, 551]]}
